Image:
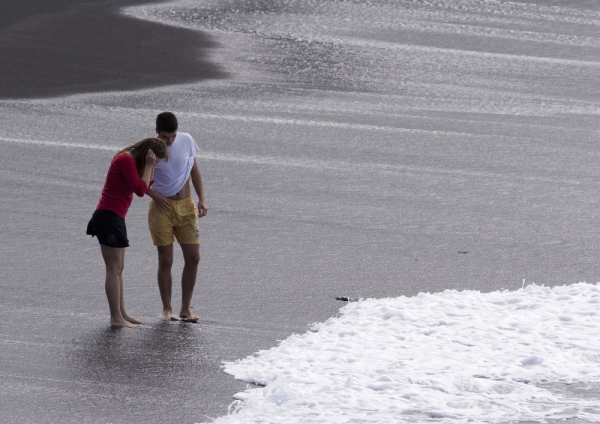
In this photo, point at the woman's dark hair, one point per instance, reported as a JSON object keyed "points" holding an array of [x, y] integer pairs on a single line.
{"points": [[140, 149], [166, 122]]}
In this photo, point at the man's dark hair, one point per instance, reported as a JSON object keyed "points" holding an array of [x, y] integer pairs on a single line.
{"points": [[166, 122]]}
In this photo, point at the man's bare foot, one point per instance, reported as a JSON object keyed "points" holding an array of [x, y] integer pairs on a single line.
{"points": [[132, 319], [187, 315], [166, 315], [123, 323]]}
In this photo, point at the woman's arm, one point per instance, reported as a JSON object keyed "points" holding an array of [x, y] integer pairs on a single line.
{"points": [[149, 169], [138, 185], [161, 201]]}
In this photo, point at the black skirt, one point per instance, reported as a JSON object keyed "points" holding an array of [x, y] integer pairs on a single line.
{"points": [[109, 228]]}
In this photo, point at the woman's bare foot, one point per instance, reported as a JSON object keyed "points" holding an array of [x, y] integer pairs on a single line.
{"points": [[166, 315], [187, 315], [123, 323], [132, 319]]}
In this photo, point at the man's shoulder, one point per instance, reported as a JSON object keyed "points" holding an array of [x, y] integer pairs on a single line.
{"points": [[184, 135], [185, 139]]}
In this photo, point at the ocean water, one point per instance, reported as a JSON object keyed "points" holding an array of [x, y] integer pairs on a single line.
{"points": [[367, 149], [449, 357]]}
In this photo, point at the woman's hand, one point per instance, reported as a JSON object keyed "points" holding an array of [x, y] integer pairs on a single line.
{"points": [[162, 202], [150, 159]]}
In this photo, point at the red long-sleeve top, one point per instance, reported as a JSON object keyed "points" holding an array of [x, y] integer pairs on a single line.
{"points": [[122, 181]]}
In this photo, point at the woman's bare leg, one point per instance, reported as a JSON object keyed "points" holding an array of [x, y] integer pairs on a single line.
{"points": [[125, 314], [114, 259]]}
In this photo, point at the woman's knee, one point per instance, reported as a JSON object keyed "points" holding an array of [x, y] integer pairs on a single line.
{"points": [[114, 269]]}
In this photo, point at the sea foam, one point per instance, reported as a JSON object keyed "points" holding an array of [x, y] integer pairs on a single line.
{"points": [[452, 357]]}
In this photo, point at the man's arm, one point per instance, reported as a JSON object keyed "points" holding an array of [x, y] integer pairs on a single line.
{"points": [[197, 183]]}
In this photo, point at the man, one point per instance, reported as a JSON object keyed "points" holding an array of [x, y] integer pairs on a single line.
{"points": [[173, 215]]}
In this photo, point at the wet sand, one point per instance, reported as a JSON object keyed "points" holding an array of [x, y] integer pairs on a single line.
{"points": [[62, 47]]}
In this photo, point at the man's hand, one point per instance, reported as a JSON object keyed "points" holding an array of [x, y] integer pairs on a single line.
{"points": [[202, 209]]}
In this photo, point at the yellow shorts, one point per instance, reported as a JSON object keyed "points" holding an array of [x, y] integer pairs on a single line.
{"points": [[180, 222]]}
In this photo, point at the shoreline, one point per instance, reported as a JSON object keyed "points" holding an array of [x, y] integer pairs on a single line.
{"points": [[66, 48]]}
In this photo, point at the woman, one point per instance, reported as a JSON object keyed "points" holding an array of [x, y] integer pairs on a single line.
{"points": [[131, 171]]}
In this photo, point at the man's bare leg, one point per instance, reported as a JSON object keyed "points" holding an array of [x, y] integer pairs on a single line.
{"points": [[165, 280], [191, 257], [114, 259]]}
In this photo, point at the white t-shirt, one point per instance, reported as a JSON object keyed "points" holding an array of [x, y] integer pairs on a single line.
{"points": [[170, 176]]}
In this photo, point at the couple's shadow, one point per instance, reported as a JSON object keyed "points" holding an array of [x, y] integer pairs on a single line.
{"points": [[155, 355]]}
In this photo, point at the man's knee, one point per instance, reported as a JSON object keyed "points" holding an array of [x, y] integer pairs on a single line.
{"points": [[191, 254], [192, 259], [165, 263], [165, 258], [195, 259]]}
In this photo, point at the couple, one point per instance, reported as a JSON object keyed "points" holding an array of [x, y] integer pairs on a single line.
{"points": [[167, 163]]}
